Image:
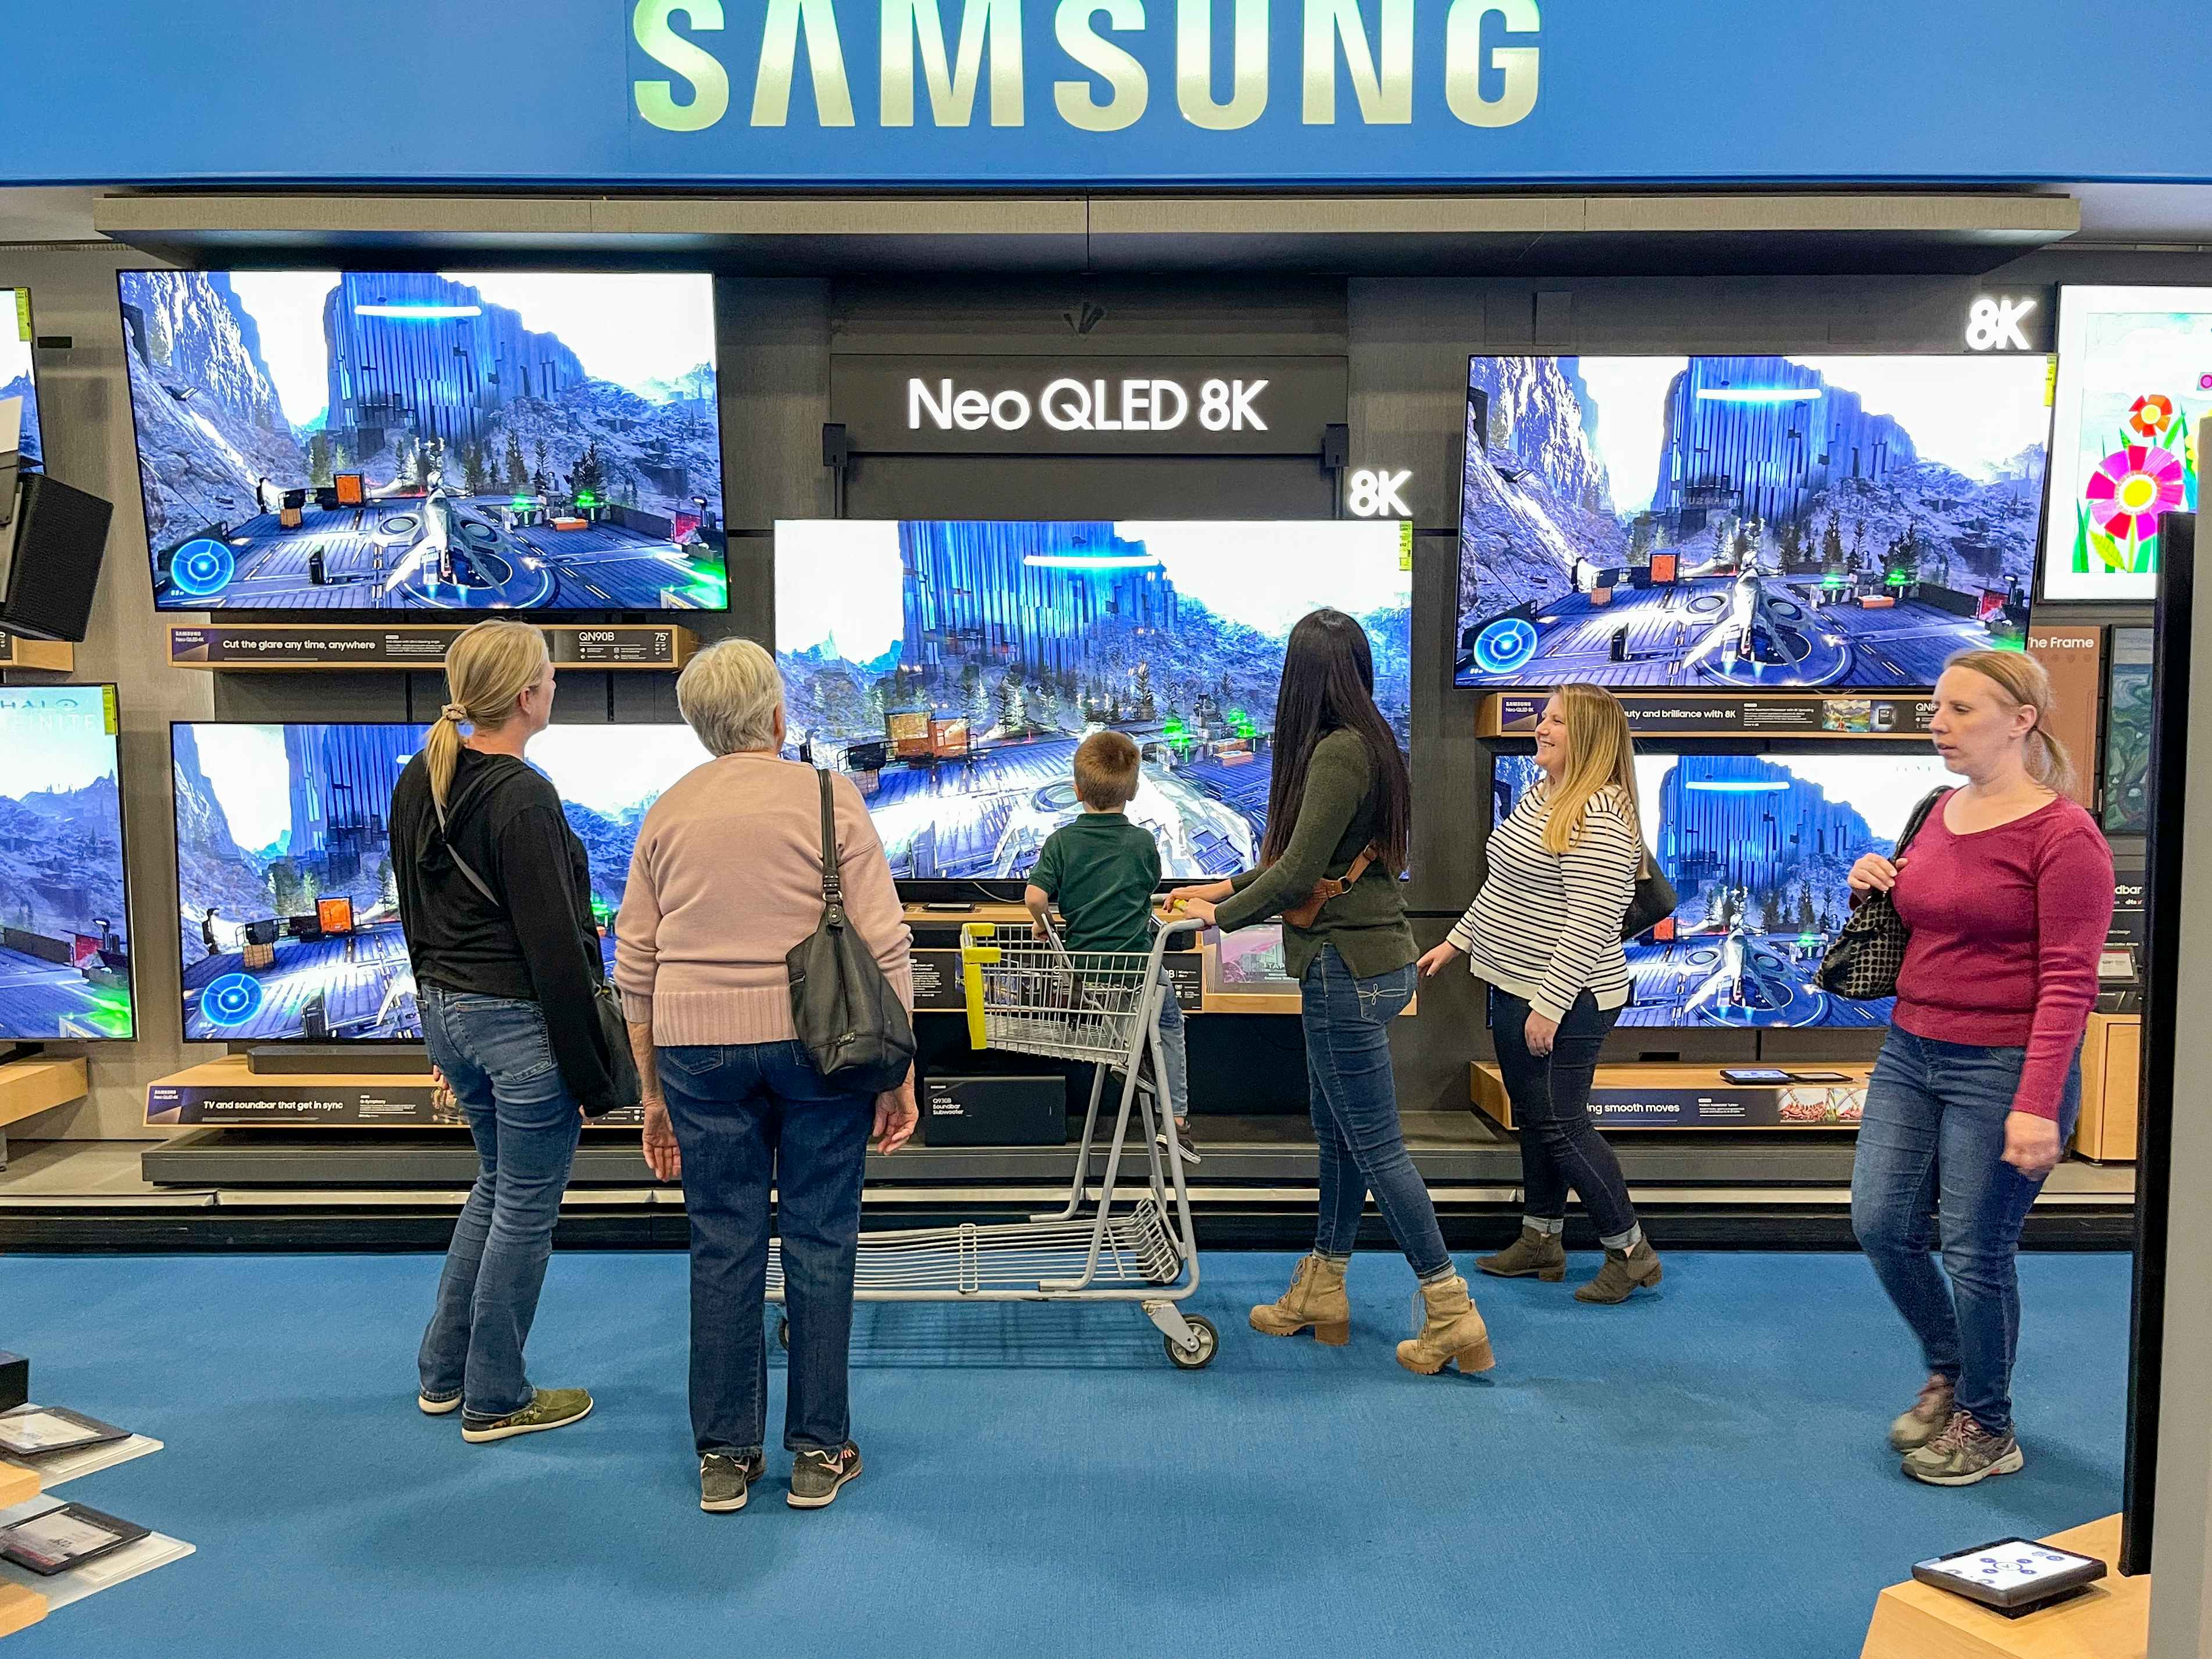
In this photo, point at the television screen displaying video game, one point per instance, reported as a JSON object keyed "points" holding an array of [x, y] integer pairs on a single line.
{"points": [[1760, 849], [2129, 685], [17, 378], [288, 901], [951, 666], [1745, 523], [65, 907], [438, 440]]}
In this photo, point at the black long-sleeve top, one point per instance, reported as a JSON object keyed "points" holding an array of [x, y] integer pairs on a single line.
{"points": [[540, 943]]}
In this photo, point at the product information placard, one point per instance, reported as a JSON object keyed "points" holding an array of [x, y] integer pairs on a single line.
{"points": [[277, 1102], [294, 647], [1514, 714]]}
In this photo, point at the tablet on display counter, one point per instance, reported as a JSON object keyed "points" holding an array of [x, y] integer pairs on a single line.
{"points": [[67, 1536], [33, 1431], [2011, 1575]]}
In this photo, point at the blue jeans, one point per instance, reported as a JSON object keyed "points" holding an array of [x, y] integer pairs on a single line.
{"points": [[747, 1117], [1355, 1112], [1930, 1165], [499, 1062], [1561, 1146], [1175, 1046]]}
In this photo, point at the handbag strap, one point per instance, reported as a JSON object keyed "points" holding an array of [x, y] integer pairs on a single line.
{"points": [[833, 892], [454, 852], [1927, 804], [1358, 868]]}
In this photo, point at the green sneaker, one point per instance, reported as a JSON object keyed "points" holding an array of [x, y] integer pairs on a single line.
{"points": [[549, 1408], [725, 1479], [817, 1476], [1964, 1453]]}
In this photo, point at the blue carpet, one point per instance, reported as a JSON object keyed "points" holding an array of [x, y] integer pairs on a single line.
{"points": [[1040, 1480]]}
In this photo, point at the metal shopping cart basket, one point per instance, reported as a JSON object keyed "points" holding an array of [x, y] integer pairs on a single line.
{"points": [[1030, 994]]}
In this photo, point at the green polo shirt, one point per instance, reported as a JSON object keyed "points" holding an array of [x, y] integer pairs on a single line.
{"points": [[1102, 871]]}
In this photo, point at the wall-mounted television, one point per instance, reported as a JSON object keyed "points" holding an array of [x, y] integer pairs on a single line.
{"points": [[18, 379], [953, 665], [1748, 522], [436, 441], [288, 909], [64, 899], [1758, 848], [2124, 804], [2135, 378]]}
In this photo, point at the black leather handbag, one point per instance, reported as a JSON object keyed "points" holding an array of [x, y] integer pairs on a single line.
{"points": [[849, 1018], [1868, 953], [1651, 902]]}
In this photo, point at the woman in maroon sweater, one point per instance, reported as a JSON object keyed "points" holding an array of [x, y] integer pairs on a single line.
{"points": [[2007, 892]]}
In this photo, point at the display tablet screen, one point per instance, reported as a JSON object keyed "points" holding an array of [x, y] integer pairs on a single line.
{"points": [[2008, 1565]]}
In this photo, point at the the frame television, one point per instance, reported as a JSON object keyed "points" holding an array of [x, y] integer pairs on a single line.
{"points": [[1745, 523], [953, 665], [2124, 803], [64, 899], [18, 376], [2134, 378], [438, 440], [290, 924], [1758, 848]]}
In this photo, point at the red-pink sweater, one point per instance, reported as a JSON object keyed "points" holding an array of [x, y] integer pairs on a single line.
{"points": [[2006, 924]]}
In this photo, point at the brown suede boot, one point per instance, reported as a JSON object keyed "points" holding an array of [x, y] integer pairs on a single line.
{"points": [[1624, 1270], [1315, 1298], [1454, 1331], [1540, 1254]]}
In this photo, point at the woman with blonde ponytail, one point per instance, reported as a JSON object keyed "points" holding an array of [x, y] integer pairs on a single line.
{"points": [[2007, 893], [495, 895]]}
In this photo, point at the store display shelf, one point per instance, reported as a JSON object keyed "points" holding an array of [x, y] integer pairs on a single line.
{"points": [[2111, 1619], [1799, 716], [26, 1598], [18, 1483], [1687, 1096], [408, 646], [47, 656], [230, 1092], [39, 1084]]}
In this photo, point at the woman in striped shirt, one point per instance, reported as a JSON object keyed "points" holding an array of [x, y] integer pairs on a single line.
{"points": [[1545, 934]]}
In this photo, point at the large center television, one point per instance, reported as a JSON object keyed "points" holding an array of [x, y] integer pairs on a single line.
{"points": [[18, 379], [1758, 848], [952, 666], [290, 912], [1745, 523], [64, 902], [430, 441]]}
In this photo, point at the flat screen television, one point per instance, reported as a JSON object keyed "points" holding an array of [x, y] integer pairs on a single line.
{"points": [[1758, 848], [1745, 523], [2124, 804], [17, 377], [2134, 378], [437, 440], [290, 924], [953, 665], [64, 899]]}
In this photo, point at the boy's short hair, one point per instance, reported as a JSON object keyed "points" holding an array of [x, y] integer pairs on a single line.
{"points": [[1106, 771]]}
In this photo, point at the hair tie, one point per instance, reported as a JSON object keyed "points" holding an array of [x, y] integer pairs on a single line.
{"points": [[453, 712]]}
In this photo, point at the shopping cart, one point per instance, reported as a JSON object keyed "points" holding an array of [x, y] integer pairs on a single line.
{"points": [[1028, 993]]}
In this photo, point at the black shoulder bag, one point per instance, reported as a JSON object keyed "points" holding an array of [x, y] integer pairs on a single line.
{"points": [[849, 1018], [1868, 953], [1650, 902]]}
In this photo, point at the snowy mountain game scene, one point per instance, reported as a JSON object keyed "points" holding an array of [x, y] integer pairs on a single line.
{"points": [[15, 379], [1745, 523], [65, 917], [952, 666], [1758, 848], [414, 440], [288, 907]]}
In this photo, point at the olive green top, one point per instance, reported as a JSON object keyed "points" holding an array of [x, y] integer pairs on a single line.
{"points": [[1340, 815]]}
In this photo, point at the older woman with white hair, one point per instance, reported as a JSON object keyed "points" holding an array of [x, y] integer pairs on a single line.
{"points": [[726, 880]]}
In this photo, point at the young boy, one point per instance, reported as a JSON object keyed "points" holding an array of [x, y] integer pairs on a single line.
{"points": [[1103, 870]]}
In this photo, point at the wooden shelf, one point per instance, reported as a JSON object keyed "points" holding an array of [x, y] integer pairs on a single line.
{"points": [[20, 1608], [17, 1485], [1685, 1096], [47, 656], [2110, 1620], [28, 1087]]}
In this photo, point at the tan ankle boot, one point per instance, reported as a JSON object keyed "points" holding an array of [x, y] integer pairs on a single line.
{"points": [[1624, 1270], [1454, 1331], [1543, 1255], [1315, 1298]]}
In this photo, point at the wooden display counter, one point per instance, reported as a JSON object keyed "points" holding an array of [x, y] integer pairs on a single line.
{"points": [[17, 1485], [47, 656], [1682, 1096], [20, 1608], [28, 1087], [2112, 1079], [2109, 1621]]}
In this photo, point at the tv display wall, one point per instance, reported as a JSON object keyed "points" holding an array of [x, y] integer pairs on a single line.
{"points": [[1760, 849], [1745, 522], [953, 665], [287, 902], [17, 379], [65, 906], [2134, 378], [2125, 803], [428, 441]]}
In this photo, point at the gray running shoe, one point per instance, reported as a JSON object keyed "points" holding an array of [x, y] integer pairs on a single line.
{"points": [[549, 1408], [1928, 1418], [725, 1479], [817, 1476], [1964, 1453]]}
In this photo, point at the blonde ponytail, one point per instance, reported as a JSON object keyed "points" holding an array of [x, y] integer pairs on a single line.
{"points": [[2021, 680], [489, 667]]}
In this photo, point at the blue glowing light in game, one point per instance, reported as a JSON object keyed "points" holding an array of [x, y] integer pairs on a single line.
{"points": [[1757, 394], [1505, 645], [421, 311], [1092, 561], [231, 1000], [202, 567], [1736, 786]]}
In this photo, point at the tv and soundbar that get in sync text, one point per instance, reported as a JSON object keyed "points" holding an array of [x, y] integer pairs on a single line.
{"points": [[952, 666], [1745, 523], [64, 901], [18, 378], [428, 441]]}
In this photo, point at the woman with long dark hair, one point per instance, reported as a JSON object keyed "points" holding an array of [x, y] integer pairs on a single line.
{"points": [[1339, 817]]}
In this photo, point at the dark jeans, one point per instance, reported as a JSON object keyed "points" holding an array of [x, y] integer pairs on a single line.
{"points": [[499, 1062], [1355, 1111], [1930, 1165], [747, 1116], [1561, 1146]]}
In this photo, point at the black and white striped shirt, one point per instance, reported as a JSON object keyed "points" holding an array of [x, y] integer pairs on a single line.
{"points": [[1546, 926]]}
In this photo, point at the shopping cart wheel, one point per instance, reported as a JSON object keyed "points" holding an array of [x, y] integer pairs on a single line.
{"points": [[1209, 1343], [783, 1334]]}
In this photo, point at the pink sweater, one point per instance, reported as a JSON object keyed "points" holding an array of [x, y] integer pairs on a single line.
{"points": [[727, 877]]}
